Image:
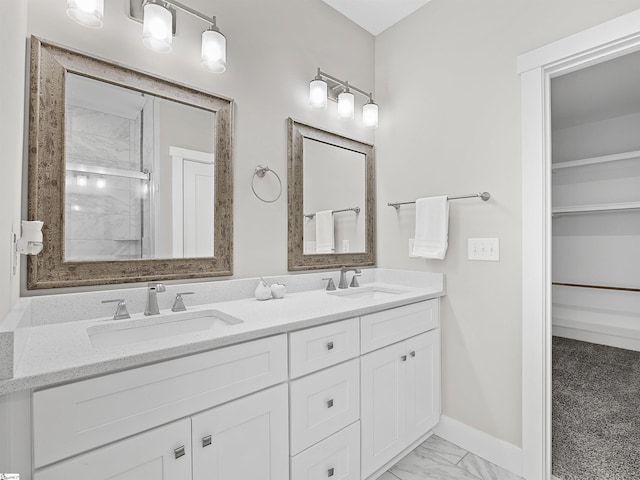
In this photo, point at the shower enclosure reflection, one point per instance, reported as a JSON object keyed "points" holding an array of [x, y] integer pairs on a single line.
{"points": [[139, 177]]}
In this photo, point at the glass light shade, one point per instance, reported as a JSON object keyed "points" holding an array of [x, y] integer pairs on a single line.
{"points": [[157, 28], [214, 51], [346, 105], [318, 94], [370, 115], [86, 12]]}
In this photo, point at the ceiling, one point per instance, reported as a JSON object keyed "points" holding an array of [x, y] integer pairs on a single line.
{"points": [[606, 90], [375, 16]]}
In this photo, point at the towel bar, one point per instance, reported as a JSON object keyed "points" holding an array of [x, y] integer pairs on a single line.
{"points": [[483, 195]]}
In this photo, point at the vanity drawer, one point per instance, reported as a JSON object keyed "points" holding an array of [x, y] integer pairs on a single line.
{"points": [[320, 347], [323, 403], [79, 416], [390, 326], [336, 458]]}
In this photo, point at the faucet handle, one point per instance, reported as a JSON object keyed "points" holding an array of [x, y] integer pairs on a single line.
{"points": [[121, 309], [331, 284], [178, 303], [354, 280]]}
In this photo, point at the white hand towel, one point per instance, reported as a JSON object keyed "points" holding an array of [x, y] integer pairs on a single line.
{"points": [[325, 239], [432, 227]]}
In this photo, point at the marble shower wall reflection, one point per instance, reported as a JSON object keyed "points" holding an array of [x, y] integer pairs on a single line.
{"points": [[107, 215]]}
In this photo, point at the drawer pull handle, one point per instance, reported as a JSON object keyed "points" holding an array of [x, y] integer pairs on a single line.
{"points": [[330, 346], [413, 354], [403, 358], [330, 403], [330, 472], [206, 441], [179, 452]]}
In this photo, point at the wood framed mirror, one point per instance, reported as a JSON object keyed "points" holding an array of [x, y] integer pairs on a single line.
{"points": [[331, 197], [131, 174]]}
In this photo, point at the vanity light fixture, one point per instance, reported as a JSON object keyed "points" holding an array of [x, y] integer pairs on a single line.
{"points": [[158, 26], [327, 87], [89, 13], [346, 103], [370, 114], [318, 93]]}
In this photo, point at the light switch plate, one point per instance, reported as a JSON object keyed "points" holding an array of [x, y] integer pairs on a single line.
{"points": [[484, 249]]}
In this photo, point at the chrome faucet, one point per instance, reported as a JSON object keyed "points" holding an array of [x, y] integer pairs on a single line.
{"points": [[343, 276], [152, 298]]}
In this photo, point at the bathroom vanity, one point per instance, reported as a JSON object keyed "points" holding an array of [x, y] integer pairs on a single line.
{"points": [[317, 385]]}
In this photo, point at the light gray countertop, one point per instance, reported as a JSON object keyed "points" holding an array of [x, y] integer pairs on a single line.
{"points": [[63, 352]]}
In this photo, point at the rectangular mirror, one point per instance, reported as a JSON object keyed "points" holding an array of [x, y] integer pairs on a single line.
{"points": [[331, 200], [131, 174], [139, 175]]}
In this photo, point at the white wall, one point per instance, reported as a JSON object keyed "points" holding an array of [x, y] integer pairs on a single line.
{"points": [[449, 102], [13, 24], [274, 49]]}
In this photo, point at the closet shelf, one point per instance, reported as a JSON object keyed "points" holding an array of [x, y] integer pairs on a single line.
{"points": [[603, 207], [596, 160]]}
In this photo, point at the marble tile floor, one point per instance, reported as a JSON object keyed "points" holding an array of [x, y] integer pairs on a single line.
{"points": [[437, 459]]}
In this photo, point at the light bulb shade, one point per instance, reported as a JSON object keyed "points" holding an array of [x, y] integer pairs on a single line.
{"points": [[157, 28], [86, 12], [214, 51], [370, 115], [346, 105], [318, 94]]}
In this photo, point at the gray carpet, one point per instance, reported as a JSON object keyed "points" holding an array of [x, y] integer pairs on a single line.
{"points": [[596, 411]]}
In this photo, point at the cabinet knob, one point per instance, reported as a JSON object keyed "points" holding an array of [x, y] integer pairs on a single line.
{"points": [[330, 346], [330, 403], [179, 452], [206, 441], [403, 358], [413, 353], [330, 472]]}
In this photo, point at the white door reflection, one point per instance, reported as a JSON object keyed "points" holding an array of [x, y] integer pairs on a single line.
{"points": [[192, 204]]}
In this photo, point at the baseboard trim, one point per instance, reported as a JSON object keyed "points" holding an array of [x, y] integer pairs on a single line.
{"points": [[378, 473], [498, 452], [584, 335]]}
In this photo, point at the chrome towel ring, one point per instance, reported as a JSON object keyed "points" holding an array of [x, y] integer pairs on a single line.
{"points": [[260, 171]]}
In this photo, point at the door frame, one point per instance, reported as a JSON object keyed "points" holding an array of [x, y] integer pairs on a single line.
{"points": [[609, 40]]}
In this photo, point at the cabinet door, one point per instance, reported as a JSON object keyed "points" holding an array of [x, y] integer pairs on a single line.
{"points": [[423, 384], [383, 414], [158, 454], [244, 439]]}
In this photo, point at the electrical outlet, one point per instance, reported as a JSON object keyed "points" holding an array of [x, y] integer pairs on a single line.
{"points": [[484, 249]]}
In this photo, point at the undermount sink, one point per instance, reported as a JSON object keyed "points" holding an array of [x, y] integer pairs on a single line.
{"points": [[369, 292], [157, 327]]}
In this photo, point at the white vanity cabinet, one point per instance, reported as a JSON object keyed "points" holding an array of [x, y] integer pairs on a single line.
{"points": [[325, 405], [159, 454], [338, 401], [109, 412], [244, 439], [400, 395]]}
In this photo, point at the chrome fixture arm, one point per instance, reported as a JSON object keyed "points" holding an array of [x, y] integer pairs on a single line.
{"points": [[344, 83], [152, 298], [186, 9], [484, 196], [311, 216], [343, 276]]}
